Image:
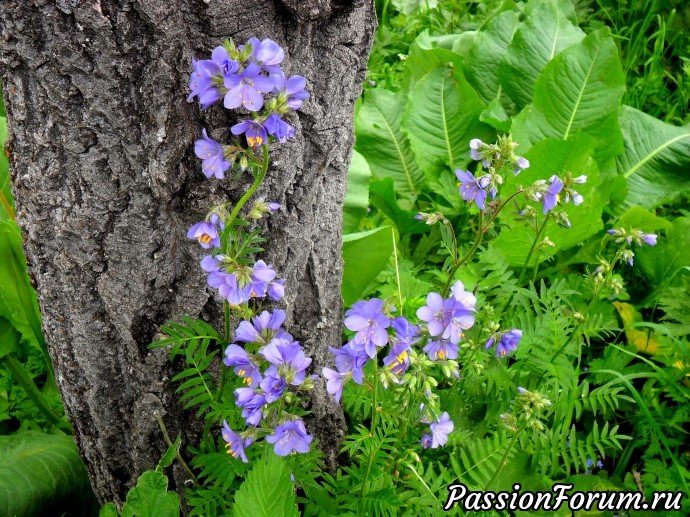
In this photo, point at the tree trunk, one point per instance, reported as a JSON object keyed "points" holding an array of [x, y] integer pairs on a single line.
{"points": [[106, 184]]}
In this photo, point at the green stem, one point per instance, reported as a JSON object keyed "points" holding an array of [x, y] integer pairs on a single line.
{"points": [[26, 382], [502, 463], [166, 437], [482, 230], [477, 242], [257, 181], [531, 250], [372, 428]]}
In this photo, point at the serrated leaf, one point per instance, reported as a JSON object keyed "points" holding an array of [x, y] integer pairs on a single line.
{"points": [[547, 158], [42, 474], [442, 116], [545, 32], [578, 92], [655, 161], [365, 255], [150, 497], [357, 195], [267, 491], [382, 143], [490, 44]]}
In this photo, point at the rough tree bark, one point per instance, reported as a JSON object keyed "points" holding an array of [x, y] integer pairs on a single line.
{"points": [[106, 183]]}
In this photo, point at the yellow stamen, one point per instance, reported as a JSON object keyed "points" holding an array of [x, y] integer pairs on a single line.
{"points": [[205, 238], [441, 354]]}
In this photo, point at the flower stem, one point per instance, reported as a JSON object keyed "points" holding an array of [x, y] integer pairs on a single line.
{"points": [[541, 228], [482, 230], [257, 181], [504, 459], [166, 437]]}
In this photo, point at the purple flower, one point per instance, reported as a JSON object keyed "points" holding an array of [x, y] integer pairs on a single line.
{"points": [[475, 145], [335, 382], [228, 287], [234, 442], [205, 233], [398, 359], [275, 290], [237, 357], [551, 195], [273, 386], [426, 440], [201, 83], [263, 328], [520, 164], [649, 239], [226, 65], [255, 132], [291, 91], [290, 436], [441, 349], [508, 342], [350, 359], [266, 53], [464, 298], [251, 403], [440, 430], [289, 358], [277, 127], [211, 152], [367, 319], [246, 89], [437, 313], [471, 189]]}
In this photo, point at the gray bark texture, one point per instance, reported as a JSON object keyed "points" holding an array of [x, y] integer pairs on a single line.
{"points": [[106, 184]]}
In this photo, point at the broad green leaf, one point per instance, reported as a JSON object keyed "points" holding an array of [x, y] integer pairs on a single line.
{"points": [[383, 198], [638, 217], [414, 6], [267, 491], [17, 298], [544, 33], [357, 195], [365, 255], [579, 91], [656, 159], [564, 6], [490, 44], [427, 52], [547, 158], [442, 116], [42, 474], [6, 200], [383, 144], [150, 497], [9, 338], [109, 510], [671, 253]]}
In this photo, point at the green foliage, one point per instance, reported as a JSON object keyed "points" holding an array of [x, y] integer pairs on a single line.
{"points": [[365, 255], [267, 491], [41, 471]]}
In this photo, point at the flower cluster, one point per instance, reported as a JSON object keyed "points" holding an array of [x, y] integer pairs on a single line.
{"points": [[443, 322], [272, 366], [245, 77], [239, 283], [269, 375], [494, 158], [526, 411], [505, 342], [557, 189]]}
